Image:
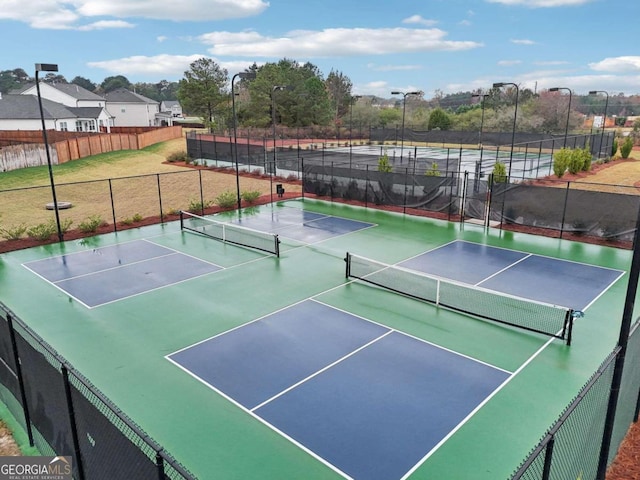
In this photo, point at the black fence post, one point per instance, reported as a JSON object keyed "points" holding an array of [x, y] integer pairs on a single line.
{"points": [[159, 197], [564, 208], [72, 421], [113, 207], [160, 466], [201, 191], [23, 393], [548, 457]]}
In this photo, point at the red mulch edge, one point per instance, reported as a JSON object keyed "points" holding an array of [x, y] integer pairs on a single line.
{"points": [[626, 465]]}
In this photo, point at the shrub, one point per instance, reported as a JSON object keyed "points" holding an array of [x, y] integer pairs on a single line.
{"points": [[42, 231], [226, 200], [91, 224], [433, 171], [499, 172], [65, 225], [181, 156], [250, 197], [614, 147], [383, 163], [561, 160], [576, 161], [586, 159], [196, 206], [131, 220], [627, 146], [13, 233]]}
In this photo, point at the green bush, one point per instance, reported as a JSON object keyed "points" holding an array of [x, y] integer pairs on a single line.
{"points": [[181, 156], [499, 172], [250, 197], [91, 224], [627, 146], [586, 159], [42, 231], [614, 147], [433, 171], [561, 160], [196, 206], [576, 160], [383, 163], [227, 200], [13, 233]]}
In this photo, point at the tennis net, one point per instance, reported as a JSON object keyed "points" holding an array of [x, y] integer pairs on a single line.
{"points": [[471, 300], [231, 233]]}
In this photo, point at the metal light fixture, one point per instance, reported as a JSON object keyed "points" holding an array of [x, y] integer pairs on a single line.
{"points": [[515, 116], [604, 120], [243, 76], [484, 97], [404, 104], [48, 67], [566, 128]]}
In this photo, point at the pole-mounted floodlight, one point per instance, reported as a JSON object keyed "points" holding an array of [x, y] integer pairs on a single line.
{"points": [[354, 99], [515, 116], [48, 67], [274, 89], [604, 120], [404, 104], [483, 96], [566, 128], [243, 76]]}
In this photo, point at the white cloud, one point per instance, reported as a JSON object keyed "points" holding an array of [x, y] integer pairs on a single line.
{"points": [[508, 63], [65, 14], [464, 23], [417, 19], [522, 41], [333, 42], [541, 3], [617, 64], [161, 38], [104, 24], [166, 66]]}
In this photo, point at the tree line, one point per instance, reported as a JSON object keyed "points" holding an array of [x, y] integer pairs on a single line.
{"points": [[293, 94]]}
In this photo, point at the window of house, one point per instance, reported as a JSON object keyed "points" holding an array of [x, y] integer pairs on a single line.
{"points": [[63, 127], [78, 126], [92, 125]]}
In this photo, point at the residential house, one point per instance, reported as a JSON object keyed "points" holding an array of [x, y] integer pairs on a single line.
{"points": [[130, 109], [22, 112], [171, 106]]}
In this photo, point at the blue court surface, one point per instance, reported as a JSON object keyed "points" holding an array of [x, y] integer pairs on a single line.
{"points": [[300, 225], [534, 277], [367, 400], [104, 275]]}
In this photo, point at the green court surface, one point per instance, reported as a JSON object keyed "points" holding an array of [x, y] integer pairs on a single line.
{"points": [[121, 346]]}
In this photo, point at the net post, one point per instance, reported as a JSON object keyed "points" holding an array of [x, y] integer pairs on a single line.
{"points": [[347, 260], [277, 245], [569, 325], [181, 220]]}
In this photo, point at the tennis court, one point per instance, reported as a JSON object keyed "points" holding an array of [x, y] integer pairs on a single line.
{"points": [[313, 340]]}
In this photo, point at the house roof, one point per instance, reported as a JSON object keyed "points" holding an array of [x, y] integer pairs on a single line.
{"points": [[76, 91], [71, 89], [25, 107], [122, 95], [171, 103]]}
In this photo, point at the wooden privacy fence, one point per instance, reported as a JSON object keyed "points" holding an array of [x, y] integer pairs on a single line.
{"points": [[69, 146]]}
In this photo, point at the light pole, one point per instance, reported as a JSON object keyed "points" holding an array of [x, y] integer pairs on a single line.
{"points": [[604, 120], [354, 99], [515, 116], [404, 104], [566, 128], [274, 89], [48, 67], [243, 76], [484, 97]]}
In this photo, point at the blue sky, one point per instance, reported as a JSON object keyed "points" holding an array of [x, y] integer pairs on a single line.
{"points": [[429, 45]]}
